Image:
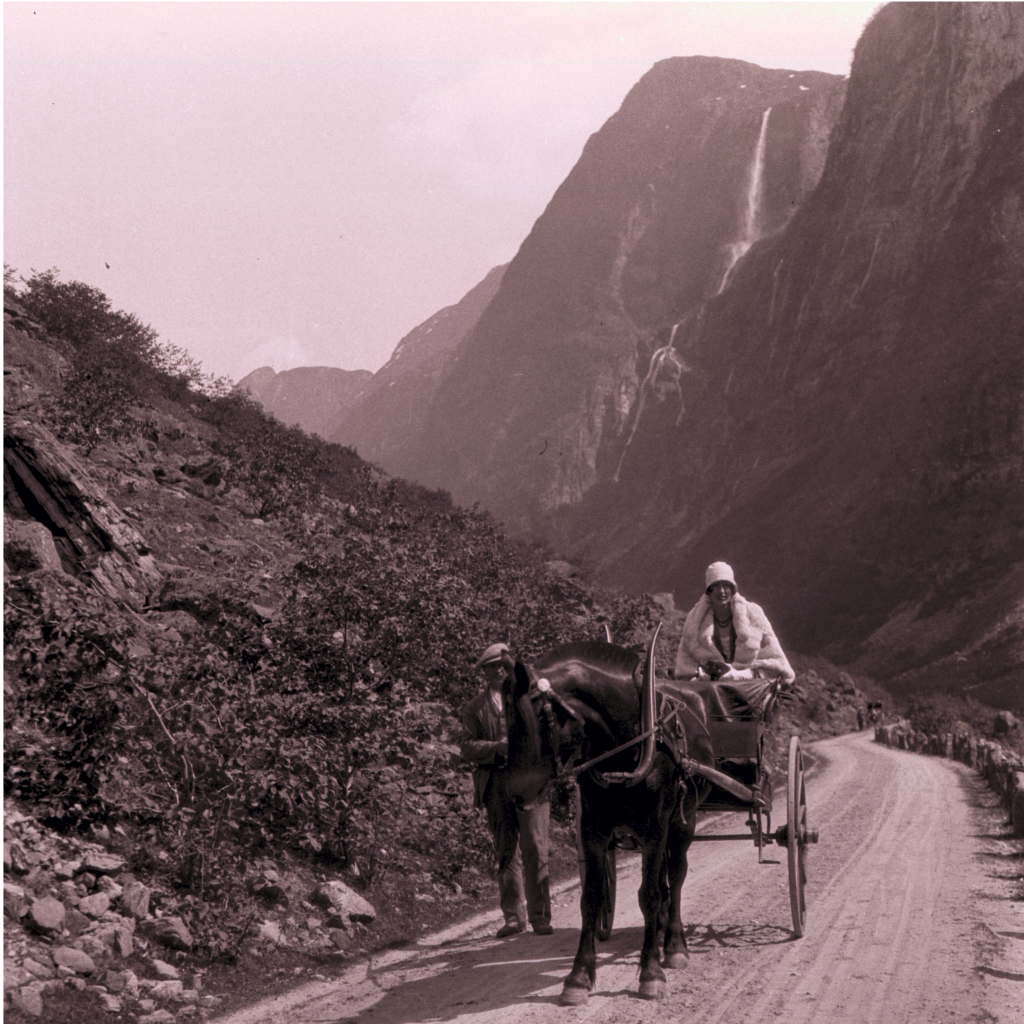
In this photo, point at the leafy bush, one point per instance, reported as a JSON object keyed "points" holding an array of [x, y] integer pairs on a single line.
{"points": [[941, 712]]}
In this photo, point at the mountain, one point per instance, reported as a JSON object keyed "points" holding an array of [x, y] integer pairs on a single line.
{"points": [[642, 232], [386, 420], [853, 435], [776, 318], [313, 397]]}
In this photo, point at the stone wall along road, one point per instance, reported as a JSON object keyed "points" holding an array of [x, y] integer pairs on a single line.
{"points": [[914, 917]]}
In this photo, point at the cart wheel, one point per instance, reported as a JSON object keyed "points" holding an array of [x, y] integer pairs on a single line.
{"points": [[606, 915], [797, 835]]}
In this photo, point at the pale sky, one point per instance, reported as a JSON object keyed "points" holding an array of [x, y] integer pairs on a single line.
{"points": [[301, 184]]}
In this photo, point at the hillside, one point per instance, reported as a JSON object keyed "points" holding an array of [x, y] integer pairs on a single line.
{"points": [[234, 657]]}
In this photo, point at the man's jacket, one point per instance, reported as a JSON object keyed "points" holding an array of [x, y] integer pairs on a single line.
{"points": [[483, 732]]}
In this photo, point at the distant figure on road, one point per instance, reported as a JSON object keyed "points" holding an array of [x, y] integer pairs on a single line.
{"points": [[726, 636], [484, 741]]}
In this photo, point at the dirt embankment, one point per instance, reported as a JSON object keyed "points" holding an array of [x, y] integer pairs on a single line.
{"points": [[914, 916]]}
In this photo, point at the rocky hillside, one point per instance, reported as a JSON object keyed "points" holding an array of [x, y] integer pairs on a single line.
{"points": [[314, 398], [230, 756]]}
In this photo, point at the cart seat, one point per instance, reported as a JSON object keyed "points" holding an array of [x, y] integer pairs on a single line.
{"points": [[741, 699]]}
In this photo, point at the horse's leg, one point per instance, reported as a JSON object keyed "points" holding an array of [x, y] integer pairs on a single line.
{"points": [[581, 978], [652, 977], [682, 830]]}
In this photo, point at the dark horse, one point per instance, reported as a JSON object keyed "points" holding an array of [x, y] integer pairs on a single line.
{"points": [[577, 703]]}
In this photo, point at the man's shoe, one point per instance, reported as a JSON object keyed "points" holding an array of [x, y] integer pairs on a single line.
{"points": [[542, 929], [509, 929]]}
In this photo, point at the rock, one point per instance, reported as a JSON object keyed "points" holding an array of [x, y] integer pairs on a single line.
{"points": [[15, 975], [168, 931], [109, 886], [29, 1000], [76, 923], [28, 546], [135, 900], [99, 863], [158, 1017], [38, 970], [46, 916], [111, 1003], [268, 885], [66, 956], [16, 901], [165, 970], [95, 905], [115, 981], [124, 944], [1004, 722], [1017, 805], [22, 860], [65, 870], [270, 931], [340, 938], [167, 990], [338, 896]]}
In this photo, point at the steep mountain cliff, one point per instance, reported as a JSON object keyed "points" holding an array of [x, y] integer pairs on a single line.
{"points": [[705, 156], [312, 397], [385, 423], [851, 433]]}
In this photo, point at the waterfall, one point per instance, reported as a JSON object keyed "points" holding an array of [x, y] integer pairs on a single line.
{"points": [[752, 215], [657, 360]]}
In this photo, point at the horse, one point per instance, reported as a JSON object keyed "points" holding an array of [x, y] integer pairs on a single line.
{"points": [[584, 704]]}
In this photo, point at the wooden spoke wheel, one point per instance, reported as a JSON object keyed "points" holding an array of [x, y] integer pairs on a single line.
{"points": [[797, 835]]}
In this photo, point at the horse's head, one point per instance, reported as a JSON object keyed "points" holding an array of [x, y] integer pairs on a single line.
{"points": [[582, 697]]}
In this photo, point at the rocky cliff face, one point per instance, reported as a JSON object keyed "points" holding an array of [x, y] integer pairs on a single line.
{"points": [[312, 397], [849, 430], [386, 421], [705, 157]]}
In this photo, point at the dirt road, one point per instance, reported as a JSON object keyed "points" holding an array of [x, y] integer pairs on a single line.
{"points": [[909, 920]]}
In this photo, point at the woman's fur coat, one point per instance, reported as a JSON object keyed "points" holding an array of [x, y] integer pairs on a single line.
{"points": [[757, 648]]}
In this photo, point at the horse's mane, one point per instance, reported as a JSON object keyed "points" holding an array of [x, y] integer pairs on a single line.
{"points": [[593, 654]]}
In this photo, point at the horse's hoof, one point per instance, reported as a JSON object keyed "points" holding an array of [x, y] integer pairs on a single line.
{"points": [[573, 995], [676, 961], [653, 989]]}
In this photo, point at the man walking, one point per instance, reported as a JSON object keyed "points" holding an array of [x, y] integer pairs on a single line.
{"points": [[484, 741]]}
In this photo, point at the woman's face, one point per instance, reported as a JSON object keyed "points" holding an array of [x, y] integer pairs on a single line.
{"points": [[721, 595]]}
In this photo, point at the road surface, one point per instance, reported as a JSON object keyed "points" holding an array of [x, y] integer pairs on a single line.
{"points": [[911, 918]]}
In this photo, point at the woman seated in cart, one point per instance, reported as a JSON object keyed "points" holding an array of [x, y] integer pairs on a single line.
{"points": [[727, 637]]}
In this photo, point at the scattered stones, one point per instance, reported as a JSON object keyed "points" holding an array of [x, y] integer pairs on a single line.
{"points": [[28, 999]]}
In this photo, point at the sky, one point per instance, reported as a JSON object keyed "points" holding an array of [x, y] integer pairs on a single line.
{"points": [[301, 184]]}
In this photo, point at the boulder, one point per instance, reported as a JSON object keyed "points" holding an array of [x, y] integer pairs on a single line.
{"points": [[1004, 722], [66, 956], [165, 970], [168, 931], [135, 900], [29, 1000], [46, 916], [337, 896], [16, 901], [95, 905], [28, 546], [98, 863]]}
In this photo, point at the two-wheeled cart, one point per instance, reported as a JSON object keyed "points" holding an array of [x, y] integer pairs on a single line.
{"points": [[738, 714]]}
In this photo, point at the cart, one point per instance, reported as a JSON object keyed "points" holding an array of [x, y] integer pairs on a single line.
{"points": [[739, 711]]}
